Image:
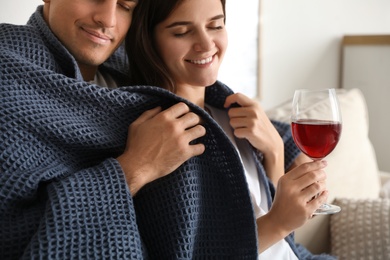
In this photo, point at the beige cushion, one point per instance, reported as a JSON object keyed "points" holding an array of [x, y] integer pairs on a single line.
{"points": [[352, 168], [362, 229], [385, 191]]}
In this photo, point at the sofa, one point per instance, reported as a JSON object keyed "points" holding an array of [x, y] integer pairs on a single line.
{"points": [[362, 229]]}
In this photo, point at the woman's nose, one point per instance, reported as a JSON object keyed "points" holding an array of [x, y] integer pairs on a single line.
{"points": [[204, 42]]}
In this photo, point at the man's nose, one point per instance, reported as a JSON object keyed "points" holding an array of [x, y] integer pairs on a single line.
{"points": [[106, 13]]}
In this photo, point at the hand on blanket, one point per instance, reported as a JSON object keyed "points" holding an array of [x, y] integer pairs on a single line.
{"points": [[158, 142], [294, 203]]}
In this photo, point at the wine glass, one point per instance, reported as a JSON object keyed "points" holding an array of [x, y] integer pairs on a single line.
{"points": [[316, 133]]}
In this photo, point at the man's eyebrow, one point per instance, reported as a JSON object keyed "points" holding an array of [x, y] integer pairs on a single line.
{"points": [[217, 17]]}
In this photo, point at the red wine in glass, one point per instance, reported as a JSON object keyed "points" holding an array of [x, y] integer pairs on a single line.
{"points": [[316, 138], [316, 127]]}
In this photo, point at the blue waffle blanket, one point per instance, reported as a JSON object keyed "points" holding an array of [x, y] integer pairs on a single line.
{"points": [[64, 196]]}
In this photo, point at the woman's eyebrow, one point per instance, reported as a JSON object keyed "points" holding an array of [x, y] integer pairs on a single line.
{"points": [[181, 23], [177, 24], [217, 17]]}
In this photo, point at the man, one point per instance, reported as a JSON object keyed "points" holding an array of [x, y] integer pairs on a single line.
{"points": [[91, 33], [62, 169]]}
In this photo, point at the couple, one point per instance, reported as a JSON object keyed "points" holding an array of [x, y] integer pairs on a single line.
{"points": [[91, 168]]}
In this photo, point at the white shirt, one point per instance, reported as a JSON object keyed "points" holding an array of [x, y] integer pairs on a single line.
{"points": [[280, 250], [104, 80]]}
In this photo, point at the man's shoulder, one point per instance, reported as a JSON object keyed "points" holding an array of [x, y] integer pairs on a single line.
{"points": [[7, 28], [16, 34]]}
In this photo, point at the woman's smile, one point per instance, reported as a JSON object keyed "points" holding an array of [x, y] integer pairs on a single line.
{"points": [[202, 61]]}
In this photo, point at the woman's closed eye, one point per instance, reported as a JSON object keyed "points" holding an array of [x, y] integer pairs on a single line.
{"points": [[216, 28], [217, 24], [181, 33]]}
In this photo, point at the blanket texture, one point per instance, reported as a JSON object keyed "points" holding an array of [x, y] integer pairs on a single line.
{"points": [[64, 196]]}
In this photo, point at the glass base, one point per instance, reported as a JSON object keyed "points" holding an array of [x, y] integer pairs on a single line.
{"points": [[326, 209]]}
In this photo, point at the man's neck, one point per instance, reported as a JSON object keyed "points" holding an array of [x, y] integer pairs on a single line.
{"points": [[87, 71]]}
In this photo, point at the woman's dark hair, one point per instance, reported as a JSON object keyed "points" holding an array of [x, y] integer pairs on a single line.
{"points": [[145, 64]]}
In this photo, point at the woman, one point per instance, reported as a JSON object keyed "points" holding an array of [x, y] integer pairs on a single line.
{"points": [[179, 45]]}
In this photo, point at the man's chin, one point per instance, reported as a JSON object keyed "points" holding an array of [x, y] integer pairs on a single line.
{"points": [[92, 59]]}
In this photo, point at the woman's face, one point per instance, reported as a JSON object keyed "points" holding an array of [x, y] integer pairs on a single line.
{"points": [[192, 42]]}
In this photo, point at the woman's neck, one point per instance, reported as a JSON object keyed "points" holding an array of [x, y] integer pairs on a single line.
{"points": [[194, 94]]}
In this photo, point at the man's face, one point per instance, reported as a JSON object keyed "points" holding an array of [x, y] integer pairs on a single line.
{"points": [[91, 30]]}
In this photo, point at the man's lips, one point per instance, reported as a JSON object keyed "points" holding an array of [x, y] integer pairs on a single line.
{"points": [[97, 36]]}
